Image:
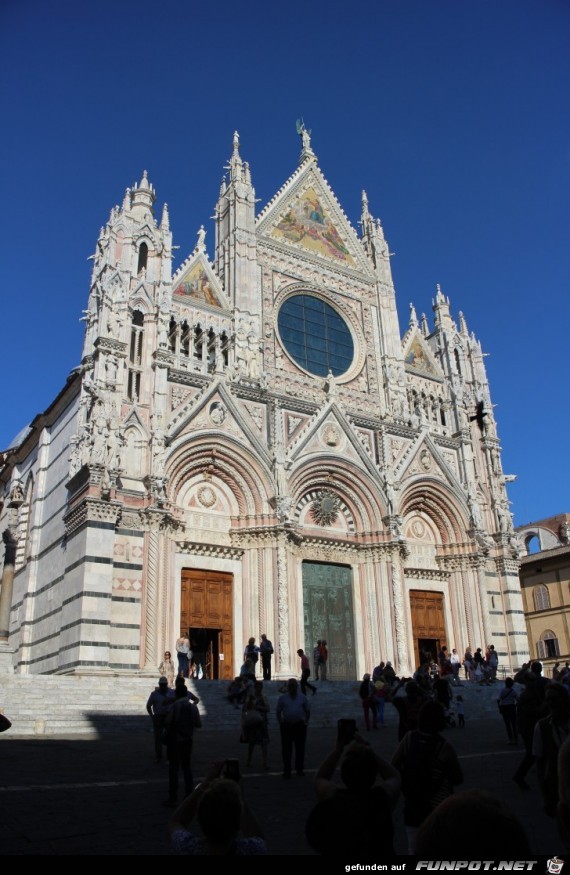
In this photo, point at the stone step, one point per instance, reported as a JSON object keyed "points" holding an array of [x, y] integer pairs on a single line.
{"points": [[54, 705]]}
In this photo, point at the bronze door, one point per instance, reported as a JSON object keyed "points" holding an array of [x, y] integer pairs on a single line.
{"points": [[327, 606], [206, 616]]}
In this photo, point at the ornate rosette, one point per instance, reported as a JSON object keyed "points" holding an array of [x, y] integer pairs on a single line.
{"points": [[325, 508]]}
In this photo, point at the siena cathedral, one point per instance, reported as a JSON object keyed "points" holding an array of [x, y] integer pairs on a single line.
{"points": [[250, 445]]}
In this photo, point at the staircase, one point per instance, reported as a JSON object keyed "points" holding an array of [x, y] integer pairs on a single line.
{"points": [[53, 705]]}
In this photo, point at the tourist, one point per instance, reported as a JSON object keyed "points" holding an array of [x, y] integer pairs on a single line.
{"points": [[293, 715], [366, 693], [251, 653], [305, 672], [429, 768], [167, 668], [222, 814], [549, 734], [157, 707], [323, 661], [355, 817], [254, 723], [266, 650], [507, 702], [184, 655], [181, 721]]}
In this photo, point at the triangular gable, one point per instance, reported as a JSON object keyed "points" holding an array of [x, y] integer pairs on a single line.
{"points": [[140, 298], [331, 430], [146, 231], [133, 419], [217, 410], [424, 458], [195, 282], [418, 357], [306, 215]]}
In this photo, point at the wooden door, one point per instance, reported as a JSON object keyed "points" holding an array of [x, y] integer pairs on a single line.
{"points": [[428, 620], [206, 608]]}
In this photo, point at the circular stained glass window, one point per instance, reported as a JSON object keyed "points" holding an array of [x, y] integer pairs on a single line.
{"points": [[316, 337]]}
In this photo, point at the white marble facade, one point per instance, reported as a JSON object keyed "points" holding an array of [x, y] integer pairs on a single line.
{"points": [[199, 434]]}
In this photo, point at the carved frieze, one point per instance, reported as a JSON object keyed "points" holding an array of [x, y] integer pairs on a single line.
{"points": [[213, 550], [91, 509]]}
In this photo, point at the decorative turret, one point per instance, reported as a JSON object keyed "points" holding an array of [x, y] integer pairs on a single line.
{"points": [[236, 248], [165, 220], [441, 310], [143, 194], [413, 317]]}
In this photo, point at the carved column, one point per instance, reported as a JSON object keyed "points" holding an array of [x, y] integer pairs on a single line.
{"points": [[399, 614], [10, 544], [284, 655], [485, 615]]}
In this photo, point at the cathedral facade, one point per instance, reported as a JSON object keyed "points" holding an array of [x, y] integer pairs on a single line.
{"points": [[250, 445]]}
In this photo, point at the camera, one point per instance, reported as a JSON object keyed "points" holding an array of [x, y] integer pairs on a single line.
{"points": [[231, 770], [346, 730]]}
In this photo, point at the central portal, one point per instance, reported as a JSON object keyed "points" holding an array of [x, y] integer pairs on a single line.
{"points": [[206, 618], [328, 614], [428, 624]]}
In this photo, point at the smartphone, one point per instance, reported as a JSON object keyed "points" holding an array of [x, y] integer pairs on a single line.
{"points": [[231, 770], [346, 730]]}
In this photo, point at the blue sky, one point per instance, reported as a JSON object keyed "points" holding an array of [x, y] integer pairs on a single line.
{"points": [[453, 114]]}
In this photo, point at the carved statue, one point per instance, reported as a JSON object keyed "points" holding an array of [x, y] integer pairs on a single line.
{"points": [[283, 508], [111, 366], [390, 494], [242, 348], [476, 520], [253, 356], [113, 321], [330, 385]]}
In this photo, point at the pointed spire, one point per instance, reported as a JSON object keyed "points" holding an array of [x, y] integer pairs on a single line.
{"points": [[366, 220], [441, 310], [425, 327], [127, 200], [165, 221], [413, 317], [200, 244], [462, 324], [235, 161], [144, 181], [247, 174], [223, 186]]}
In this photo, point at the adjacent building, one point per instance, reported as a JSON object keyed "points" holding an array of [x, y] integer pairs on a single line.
{"points": [[545, 582]]}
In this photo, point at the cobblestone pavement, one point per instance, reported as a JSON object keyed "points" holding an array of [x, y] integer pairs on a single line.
{"points": [[103, 795]]}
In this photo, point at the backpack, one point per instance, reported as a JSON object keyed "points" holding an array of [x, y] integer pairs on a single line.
{"points": [[420, 781]]}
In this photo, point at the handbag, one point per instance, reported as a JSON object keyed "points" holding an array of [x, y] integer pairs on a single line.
{"points": [[252, 719]]}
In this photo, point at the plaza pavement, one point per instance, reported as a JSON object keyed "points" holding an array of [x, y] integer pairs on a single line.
{"points": [[101, 793]]}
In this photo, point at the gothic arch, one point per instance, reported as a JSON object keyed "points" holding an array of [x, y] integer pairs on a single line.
{"points": [[364, 501], [227, 460], [434, 500]]}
